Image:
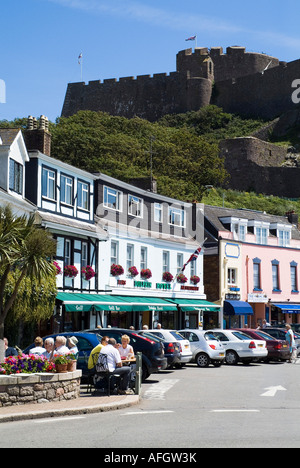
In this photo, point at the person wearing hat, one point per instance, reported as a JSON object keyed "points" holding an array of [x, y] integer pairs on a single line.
{"points": [[72, 343]]}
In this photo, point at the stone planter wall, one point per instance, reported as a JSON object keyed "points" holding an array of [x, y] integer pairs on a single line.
{"points": [[23, 389]]}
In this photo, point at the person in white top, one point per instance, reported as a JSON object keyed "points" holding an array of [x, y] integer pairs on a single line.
{"points": [[60, 345], [125, 350], [114, 363], [39, 349]]}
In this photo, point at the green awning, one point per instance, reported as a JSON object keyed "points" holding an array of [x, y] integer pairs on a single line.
{"points": [[79, 302], [148, 303], [188, 305]]}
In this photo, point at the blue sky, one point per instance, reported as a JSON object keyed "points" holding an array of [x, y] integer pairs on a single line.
{"points": [[41, 41]]}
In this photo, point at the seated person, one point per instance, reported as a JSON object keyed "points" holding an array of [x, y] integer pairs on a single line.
{"points": [[97, 350], [60, 346], [72, 343], [125, 350], [9, 350], [39, 348], [114, 363], [49, 345]]}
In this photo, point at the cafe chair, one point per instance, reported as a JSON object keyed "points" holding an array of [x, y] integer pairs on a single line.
{"points": [[103, 372]]}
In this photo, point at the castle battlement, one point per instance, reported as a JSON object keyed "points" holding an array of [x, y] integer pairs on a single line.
{"points": [[249, 83]]}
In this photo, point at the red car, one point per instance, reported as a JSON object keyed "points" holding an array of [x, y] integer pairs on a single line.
{"points": [[278, 350]]}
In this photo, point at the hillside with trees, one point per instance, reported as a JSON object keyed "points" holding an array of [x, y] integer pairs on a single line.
{"points": [[184, 148]]}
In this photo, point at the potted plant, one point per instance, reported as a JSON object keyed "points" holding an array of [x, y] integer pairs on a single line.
{"points": [[61, 363], [195, 279], [72, 362], [146, 273], [133, 271], [167, 276], [116, 270], [57, 268], [70, 271], [88, 272], [181, 278]]}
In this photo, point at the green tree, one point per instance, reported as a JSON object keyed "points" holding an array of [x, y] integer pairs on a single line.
{"points": [[25, 252]]}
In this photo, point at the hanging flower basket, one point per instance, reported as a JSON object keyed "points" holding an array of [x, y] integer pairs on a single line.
{"points": [[88, 273], [70, 271], [195, 279], [57, 268], [181, 278], [146, 273], [116, 270], [133, 271], [167, 276]]}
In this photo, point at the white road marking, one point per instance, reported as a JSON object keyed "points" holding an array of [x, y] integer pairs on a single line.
{"points": [[62, 418], [271, 391], [157, 391], [146, 412], [235, 411]]}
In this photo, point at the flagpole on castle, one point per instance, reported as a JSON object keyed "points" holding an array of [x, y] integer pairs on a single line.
{"points": [[80, 60]]}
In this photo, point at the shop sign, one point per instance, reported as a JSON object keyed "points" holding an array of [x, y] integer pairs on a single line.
{"points": [[257, 297], [163, 286], [142, 284], [189, 288], [232, 297], [121, 282]]}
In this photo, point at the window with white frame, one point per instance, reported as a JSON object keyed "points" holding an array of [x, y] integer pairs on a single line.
{"points": [[193, 268], [176, 217], [144, 255], [68, 253], [84, 254], [112, 198], [130, 255], [135, 206], [49, 183], [83, 191], [284, 238], [294, 279], [231, 276], [66, 189], [179, 262], [114, 252], [15, 177], [158, 212], [166, 261], [256, 274], [261, 235]]}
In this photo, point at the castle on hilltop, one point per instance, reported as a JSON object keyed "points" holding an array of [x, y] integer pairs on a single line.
{"points": [[247, 83]]}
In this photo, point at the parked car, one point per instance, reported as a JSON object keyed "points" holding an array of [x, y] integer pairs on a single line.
{"points": [[205, 347], [280, 334], [174, 338], [86, 342], [171, 348], [278, 350], [153, 358], [240, 347]]}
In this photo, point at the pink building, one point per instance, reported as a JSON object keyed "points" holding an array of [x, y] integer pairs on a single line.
{"points": [[252, 259]]}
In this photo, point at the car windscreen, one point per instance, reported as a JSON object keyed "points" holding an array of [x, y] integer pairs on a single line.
{"points": [[241, 335], [265, 336], [210, 337], [177, 335]]}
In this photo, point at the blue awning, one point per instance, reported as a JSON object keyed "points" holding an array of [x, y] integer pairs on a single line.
{"points": [[289, 308], [237, 308]]}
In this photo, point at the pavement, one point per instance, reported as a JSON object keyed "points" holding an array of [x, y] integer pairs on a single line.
{"points": [[87, 403]]}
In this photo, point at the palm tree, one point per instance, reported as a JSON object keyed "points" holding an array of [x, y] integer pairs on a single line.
{"points": [[26, 249]]}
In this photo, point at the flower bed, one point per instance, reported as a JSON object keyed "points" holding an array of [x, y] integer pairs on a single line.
{"points": [[26, 364]]}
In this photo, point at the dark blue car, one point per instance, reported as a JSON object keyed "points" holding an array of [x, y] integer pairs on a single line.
{"points": [[86, 342]]}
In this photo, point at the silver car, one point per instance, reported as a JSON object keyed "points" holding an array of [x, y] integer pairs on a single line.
{"points": [[206, 348]]}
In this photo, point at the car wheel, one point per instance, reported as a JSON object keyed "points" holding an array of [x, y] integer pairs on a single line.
{"points": [[231, 358], [202, 360]]}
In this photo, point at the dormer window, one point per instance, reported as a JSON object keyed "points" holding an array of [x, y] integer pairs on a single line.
{"points": [[135, 206], [49, 183], [237, 226], [15, 177], [261, 231], [283, 232]]}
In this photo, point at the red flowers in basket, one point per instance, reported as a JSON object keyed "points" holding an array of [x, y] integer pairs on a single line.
{"points": [[57, 268], [88, 272], [146, 273], [116, 270], [133, 271], [70, 271], [195, 279], [167, 276], [181, 278]]}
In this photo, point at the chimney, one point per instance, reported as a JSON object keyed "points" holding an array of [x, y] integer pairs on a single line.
{"points": [[292, 217], [37, 136]]}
